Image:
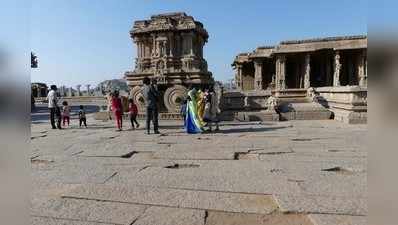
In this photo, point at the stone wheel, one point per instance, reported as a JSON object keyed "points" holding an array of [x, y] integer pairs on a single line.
{"points": [[136, 95], [173, 97]]}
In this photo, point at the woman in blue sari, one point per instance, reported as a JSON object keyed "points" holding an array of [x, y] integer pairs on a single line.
{"points": [[193, 125]]}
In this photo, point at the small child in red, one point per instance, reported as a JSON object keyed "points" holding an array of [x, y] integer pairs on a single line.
{"points": [[65, 113], [133, 111], [117, 109]]}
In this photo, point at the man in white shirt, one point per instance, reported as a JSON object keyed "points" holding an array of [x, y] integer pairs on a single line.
{"points": [[53, 107]]}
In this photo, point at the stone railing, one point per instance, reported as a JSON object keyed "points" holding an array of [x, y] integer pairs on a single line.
{"points": [[94, 100], [247, 100]]}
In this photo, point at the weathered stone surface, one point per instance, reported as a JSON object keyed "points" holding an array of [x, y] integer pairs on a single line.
{"points": [[323, 219], [314, 167], [222, 218], [245, 176], [87, 210], [193, 199], [55, 221], [209, 154], [322, 204], [171, 216]]}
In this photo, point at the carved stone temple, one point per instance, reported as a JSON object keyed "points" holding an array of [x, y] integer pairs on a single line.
{"points": [[170, 50], [333, 69]]}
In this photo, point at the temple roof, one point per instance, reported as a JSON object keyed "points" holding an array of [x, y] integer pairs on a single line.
{"points": [[305, 45], [175, 21], [325, 39]]}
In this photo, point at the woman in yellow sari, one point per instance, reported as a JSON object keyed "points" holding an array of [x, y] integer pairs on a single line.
{"points": [[201, 101]]}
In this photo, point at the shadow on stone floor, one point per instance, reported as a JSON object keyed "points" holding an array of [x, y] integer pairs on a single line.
{"points": [[249, 130]]}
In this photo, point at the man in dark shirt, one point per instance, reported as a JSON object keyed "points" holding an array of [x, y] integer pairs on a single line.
{"points": [[151, 96]]}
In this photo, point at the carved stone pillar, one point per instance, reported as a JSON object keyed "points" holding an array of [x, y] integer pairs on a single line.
{"points": [[171, 43], [142, 49], [337, 67], [184, 47], [138, 43], [238, 78], [70, 92], [62, 91], [258, 75], [361, 70], [178, 45], [38, 91], [191, 44], [307, 80], [88, 89], [78, 90], [280, 72]]}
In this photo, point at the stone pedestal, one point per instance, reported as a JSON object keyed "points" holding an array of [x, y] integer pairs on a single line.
{"points": [[348, 103]]}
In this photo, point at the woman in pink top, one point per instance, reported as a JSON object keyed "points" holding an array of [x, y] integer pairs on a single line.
{"points": [[117, 109]]}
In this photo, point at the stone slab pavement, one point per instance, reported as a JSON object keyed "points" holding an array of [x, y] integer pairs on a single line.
{"points": [[290, 173]]}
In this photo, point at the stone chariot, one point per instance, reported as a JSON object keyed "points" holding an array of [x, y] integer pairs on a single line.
{"points": [[170, 50]]}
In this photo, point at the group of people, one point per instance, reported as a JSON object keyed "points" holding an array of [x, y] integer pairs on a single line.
{"points": [[58, 114], [200, 110], [116, 106]]}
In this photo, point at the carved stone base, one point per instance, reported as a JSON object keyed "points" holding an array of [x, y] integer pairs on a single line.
{"points": [[350, 117], [174, 97], [136, 95]]}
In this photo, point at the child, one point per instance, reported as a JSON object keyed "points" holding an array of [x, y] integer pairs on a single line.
{"points": [[65, 113], [133, 111], [82, 116], [117, 109]]}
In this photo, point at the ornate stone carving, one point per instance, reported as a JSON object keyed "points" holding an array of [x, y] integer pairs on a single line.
{"points": [[169, 49], [136, 95], [271, 103], [307, 83], [174, 96], [337, 67]]}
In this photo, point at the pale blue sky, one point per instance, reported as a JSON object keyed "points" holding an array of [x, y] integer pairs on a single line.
{"points": [[85, 41]]}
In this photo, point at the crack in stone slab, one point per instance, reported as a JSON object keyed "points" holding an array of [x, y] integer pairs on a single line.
{"points": [[174, 198], [182, 166], [41, 161], [129, 155], [276, 171], [246, 156], [340, 170], [110, 177]]}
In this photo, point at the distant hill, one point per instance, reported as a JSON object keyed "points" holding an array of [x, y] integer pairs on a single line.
{"points": [[115, 84]]}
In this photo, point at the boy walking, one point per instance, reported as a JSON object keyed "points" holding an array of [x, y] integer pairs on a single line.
{"points": [[133, 111], [82, 117]]}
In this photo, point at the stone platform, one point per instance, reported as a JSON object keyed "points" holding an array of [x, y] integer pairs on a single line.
{"points": [[281, 173]]}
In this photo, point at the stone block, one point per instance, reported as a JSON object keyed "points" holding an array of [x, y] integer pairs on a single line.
{"points": [[190, 199]]}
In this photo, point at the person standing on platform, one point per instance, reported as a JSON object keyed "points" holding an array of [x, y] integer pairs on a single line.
{"points": [[53, 107], [151, 95]]}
